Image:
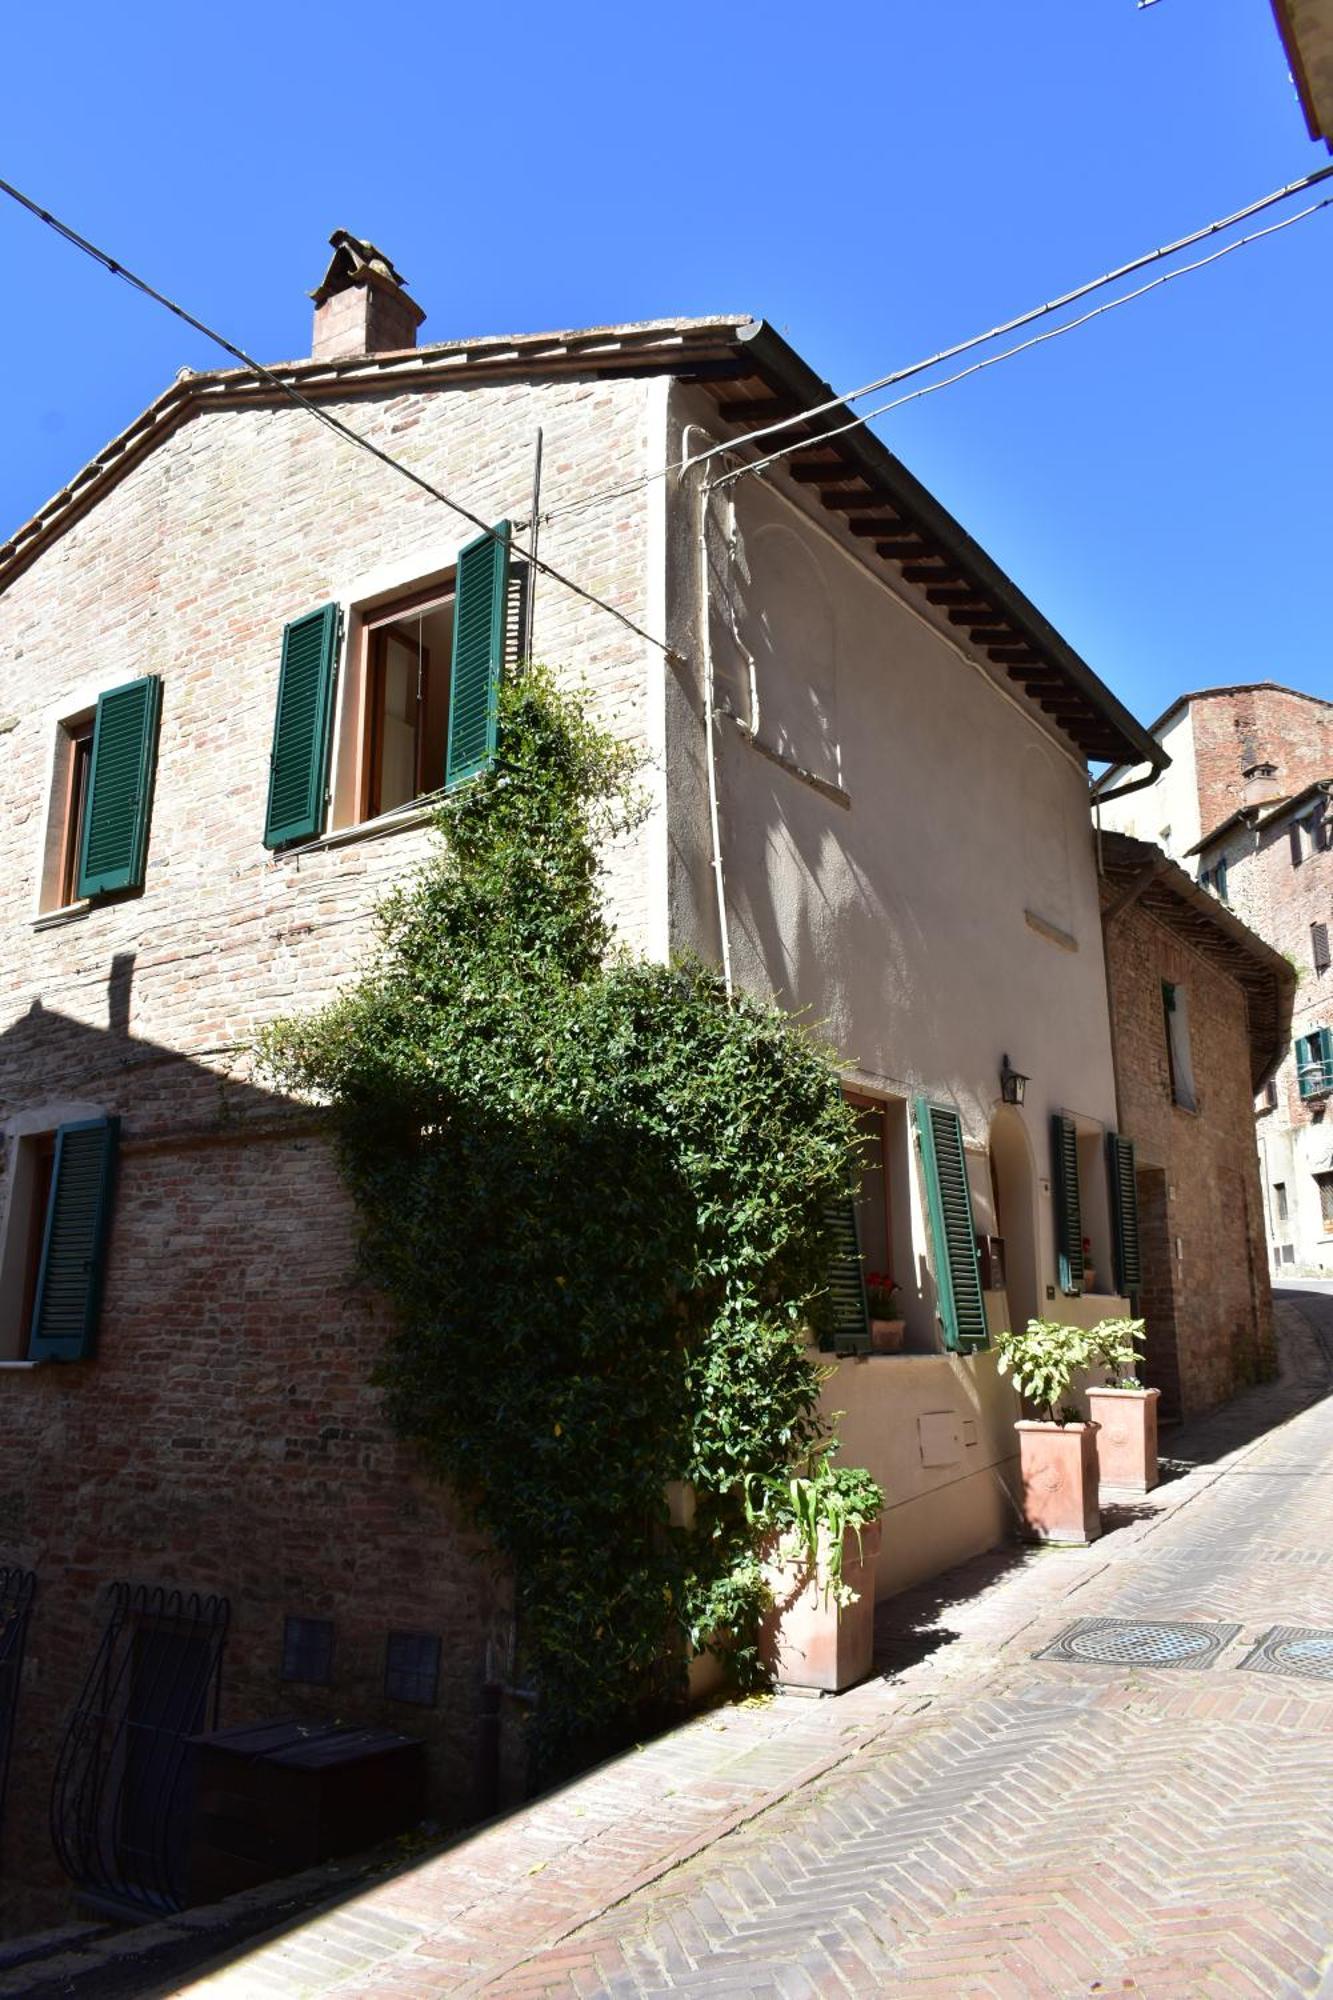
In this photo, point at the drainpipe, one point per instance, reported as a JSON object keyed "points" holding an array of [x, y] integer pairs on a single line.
{"points": [[702, 493]]}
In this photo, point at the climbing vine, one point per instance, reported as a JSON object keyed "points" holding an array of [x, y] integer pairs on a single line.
{"points": [[594, 1192]]}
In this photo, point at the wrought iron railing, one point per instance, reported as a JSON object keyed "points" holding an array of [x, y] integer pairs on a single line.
{"points": [[1315, 1079], [17, 1587], [120, 1800]]}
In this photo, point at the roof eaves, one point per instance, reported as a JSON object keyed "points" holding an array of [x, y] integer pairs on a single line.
{"points": [[879, 466]]}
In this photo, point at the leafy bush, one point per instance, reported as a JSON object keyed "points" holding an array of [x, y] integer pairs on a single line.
{"points": [[1043, 1361], [811, 1511], [595, 1192], [1115, 1344]]}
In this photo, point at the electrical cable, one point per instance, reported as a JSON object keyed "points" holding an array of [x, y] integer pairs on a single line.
{"points": [[330, 422], [1007, 354], [961, 347]]}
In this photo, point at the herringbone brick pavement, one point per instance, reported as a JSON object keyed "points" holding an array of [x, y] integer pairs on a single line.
{"points": [[978, 1823]]}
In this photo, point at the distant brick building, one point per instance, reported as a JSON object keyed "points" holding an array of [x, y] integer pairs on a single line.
{"points": [[1200, 1009], [1273, 863], [1244, 806]]}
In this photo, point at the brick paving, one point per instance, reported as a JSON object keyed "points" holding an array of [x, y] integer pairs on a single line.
{"points": [[974, 1822]]}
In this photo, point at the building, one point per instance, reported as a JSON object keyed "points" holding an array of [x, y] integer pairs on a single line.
{"points": [[1243, 807], [236, 656], [1273, 863], [1306, 28], [1228, 747], [1200, 1019]]}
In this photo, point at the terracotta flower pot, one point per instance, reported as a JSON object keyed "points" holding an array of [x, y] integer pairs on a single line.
{"points": [[1058, 1463], [806, 1641], [1126, 1421], [887, 1335]]}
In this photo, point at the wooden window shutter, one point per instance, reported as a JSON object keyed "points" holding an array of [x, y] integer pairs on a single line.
{"points": [[1319, 946], [78, 1212], [299, 763], [120, 785], [961, 1308], [849, 1331], [1124, 1213], [1068, 1210], [478, 658]]}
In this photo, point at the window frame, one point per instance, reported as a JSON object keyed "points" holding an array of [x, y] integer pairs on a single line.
{"points": [[373, 627]]}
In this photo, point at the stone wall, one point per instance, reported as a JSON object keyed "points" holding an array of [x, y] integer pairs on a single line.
{"points": [[226, 1436], [1203, 1250]]}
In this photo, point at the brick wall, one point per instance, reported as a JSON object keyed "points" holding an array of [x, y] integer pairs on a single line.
{"points": [[1209, 1229], [226, 1436], [1257, 725]]}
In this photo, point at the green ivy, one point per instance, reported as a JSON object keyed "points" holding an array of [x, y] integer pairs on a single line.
{"points": [[594, 1190]]}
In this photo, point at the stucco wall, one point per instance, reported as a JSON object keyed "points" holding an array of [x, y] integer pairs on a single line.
{"points": [[1166, 812], [925, 895]]}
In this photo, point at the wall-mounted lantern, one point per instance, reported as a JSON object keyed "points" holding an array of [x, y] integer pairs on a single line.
{"points": [[1013, 1083]]}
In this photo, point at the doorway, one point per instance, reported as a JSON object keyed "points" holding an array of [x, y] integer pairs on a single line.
{"points": [[1015, 1212]]}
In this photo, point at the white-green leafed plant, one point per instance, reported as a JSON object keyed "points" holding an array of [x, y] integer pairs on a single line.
{"points": [[813, 1510], [1043, 1360], [1115, 1348]]}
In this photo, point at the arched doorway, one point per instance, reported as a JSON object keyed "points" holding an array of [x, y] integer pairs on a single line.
{"points": [[1016, 1213]]}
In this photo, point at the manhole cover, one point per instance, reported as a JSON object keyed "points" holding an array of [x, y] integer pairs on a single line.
{"points": [[1294, 1650], [1134, 1642]]}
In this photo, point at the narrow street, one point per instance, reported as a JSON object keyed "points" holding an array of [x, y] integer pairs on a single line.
{"points": [[979, 1821]]}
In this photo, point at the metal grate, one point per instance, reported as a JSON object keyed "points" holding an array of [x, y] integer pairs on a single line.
{"points": [[17, 1587], [1298, 1652], [307, 1651], [412, 1667], [1133, 1642], [121, 1795]]}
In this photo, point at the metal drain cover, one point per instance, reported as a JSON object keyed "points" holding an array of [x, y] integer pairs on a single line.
{"points": [[1296, 1651], [1135, 1642]]}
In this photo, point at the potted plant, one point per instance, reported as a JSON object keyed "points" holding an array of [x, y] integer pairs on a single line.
{"points": [[1057, 1451], [1124, 1411], [823, 1535], [884, 1305]]}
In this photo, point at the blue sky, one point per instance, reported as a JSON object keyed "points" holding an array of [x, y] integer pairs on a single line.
{"points": [[877, 180]]}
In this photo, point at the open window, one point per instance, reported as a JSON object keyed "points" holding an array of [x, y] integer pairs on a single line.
{"points": [[411, 681], [102, 770], [55, 1236]]}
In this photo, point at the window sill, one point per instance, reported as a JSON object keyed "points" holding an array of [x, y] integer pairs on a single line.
{"points": [[68, 913], [401, 820], [19, 1364]]}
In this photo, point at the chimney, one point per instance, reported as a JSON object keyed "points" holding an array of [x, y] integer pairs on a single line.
{"points": [[361, 305], [1260, 787]]}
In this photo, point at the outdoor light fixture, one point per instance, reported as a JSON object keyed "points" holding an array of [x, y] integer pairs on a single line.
{"points": [[1013, 1083]]}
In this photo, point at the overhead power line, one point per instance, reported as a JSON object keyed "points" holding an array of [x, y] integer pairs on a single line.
{"points": [[961, 347], [1007, 354], [325, 417]]}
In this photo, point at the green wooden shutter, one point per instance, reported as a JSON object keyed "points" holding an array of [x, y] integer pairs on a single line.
{"points": [[850, 1330], [1068, 1211], [1124, 1213], [298, 766], [478, 656], [120, 784], [78, 1212], [953, 1232]]}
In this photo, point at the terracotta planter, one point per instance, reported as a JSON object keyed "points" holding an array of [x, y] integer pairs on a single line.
{"points": [[1058, 1463], [805, 1640], [1126, 1421], [887, 1335]]}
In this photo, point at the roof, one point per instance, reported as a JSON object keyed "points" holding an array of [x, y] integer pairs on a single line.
{"points": [[1216, 693], [1137, 871], [1264, 813], [756, 379], [1306, 28]]}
